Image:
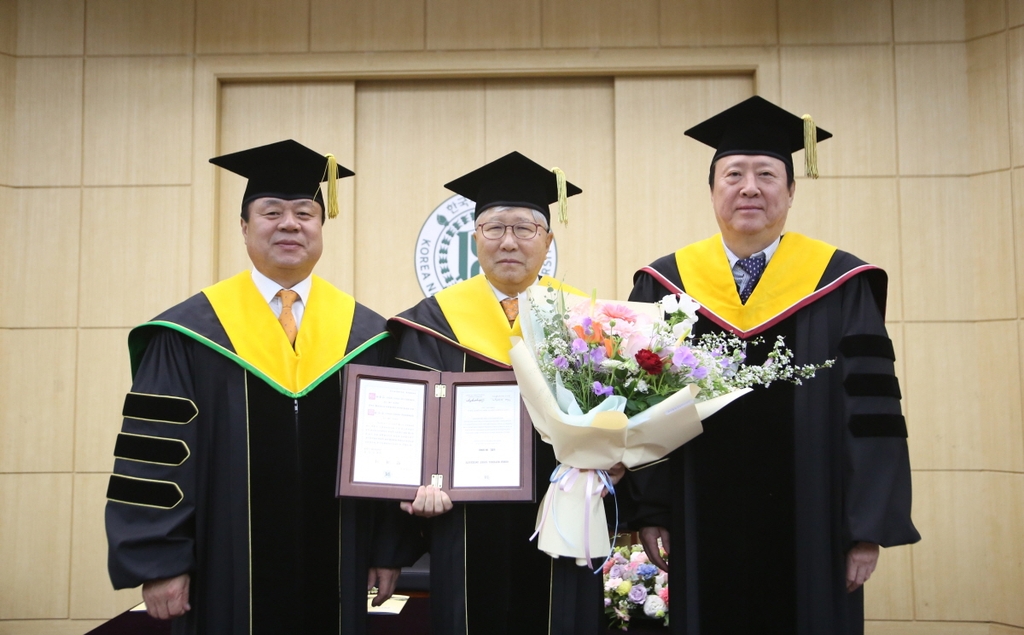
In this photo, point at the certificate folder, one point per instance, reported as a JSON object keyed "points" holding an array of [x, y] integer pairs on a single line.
{"points": [[467, 433]]}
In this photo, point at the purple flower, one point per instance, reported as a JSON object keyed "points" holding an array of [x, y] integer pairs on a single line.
{"points": [[607, 602], [597, 355], [684, 357], [560, 363], [699, 373], [638, 594], [617, 571], [602, 390], [725, 362], [579, 346], [646, 571], [588, 326]]}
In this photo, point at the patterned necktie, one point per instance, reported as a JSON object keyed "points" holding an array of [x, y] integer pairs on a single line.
{"points": [[287, 320], [511, 308], [754, 266]]}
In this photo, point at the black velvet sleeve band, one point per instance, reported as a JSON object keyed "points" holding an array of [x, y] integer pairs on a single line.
{"points": [[164, 408], [134, 447], [872, 385], [878, 425], [867, 346], [148, 493]]}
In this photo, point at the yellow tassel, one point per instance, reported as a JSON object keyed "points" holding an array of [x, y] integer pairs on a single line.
{"points": [[810, 147], [332, 186], [563, 200]]}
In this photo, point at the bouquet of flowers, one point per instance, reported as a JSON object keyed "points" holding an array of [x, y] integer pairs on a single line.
{"points": [[619, 382], [633, 584]]}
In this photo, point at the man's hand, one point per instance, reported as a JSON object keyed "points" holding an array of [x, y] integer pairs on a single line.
{"points": [[166, 598], [860, 564], [430, 501], [649, 539], [385, 579]]}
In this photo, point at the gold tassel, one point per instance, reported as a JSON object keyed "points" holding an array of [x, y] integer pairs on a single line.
{"points": [[332, 186], [810, 147], [563, 199]]}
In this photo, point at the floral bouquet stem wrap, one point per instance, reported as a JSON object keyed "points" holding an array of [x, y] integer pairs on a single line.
{"points": [[609, 383]]}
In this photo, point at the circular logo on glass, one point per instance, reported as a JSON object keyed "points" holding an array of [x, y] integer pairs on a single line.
{"points": [[446, 251]]}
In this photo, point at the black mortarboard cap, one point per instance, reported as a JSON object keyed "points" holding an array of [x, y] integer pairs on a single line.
{"points": [[757, 126], [286, 170], [515, 181]]}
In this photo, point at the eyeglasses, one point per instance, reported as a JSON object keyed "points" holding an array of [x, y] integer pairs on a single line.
{"points": [[522, 231]]}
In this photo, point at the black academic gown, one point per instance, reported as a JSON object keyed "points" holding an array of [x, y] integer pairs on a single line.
{"points": [[764, 505], [221, 476], [486, 577]]}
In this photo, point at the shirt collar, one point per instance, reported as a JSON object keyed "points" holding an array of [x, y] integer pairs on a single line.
{"points": [[768, 252], [499, 294], [268, 288]]}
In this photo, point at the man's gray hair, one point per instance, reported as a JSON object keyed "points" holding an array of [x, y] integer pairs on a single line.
{"points": [[537, 216]]}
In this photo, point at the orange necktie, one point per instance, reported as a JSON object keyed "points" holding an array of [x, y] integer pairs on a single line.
{"points": [[511, 308], [287, 320]]}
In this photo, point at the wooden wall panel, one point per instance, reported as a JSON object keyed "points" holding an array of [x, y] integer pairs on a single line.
{"points": [[8, 28], [51, 27], [47, 122], [319, 115], [988, 103], [889, 594], [931, 81], [860, 216], [37, 388], [926, 628], [411, 139], [353, 25], [969, 419], [601, 23], [252, 26], [724, 23], [35, 545], [834, 22], [134, 253], [1015, 12], [124, 148], [40, 253], [568, 124], [931, 21], [1015, 90], [91, 593], [483, 24], [984, 17], [1018, 225], [104, 377], [128, 27], [8, 74], [959, 574], [661, 174], [946, 275], [849, 92]]}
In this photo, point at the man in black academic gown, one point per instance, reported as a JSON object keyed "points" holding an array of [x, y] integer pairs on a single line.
{"points": [[485, 576], [776, 512], [222, 500]]}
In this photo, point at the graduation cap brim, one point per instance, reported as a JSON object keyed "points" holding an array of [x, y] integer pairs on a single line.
{"points": [[285, 169], [756, 127], [514, 181]]}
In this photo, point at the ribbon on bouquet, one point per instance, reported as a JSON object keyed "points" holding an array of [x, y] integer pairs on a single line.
{"points": [[564, 478]]}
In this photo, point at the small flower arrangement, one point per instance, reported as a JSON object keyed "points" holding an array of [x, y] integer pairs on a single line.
{"points": [[600, 349], [633, 585]]}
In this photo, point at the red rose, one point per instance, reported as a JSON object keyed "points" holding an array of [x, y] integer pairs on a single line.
{"points": [[649, 361]]}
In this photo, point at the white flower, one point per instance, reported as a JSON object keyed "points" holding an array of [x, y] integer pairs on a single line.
{"points": [[654, 606], [641, 386], [612, 583]]}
